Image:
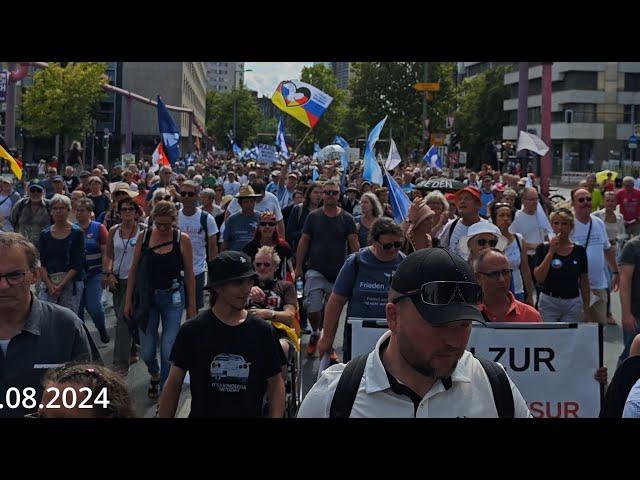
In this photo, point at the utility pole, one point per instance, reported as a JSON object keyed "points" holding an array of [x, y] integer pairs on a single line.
{"points": [[425, 118]]}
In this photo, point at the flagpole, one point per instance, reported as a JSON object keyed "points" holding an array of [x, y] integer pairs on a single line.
{"points": [[302, 141]]}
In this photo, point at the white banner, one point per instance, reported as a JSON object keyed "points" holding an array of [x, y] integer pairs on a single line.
{"points": [[552, 364], [267, 154]]}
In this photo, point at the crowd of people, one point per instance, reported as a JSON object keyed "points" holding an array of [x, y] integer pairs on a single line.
{"points": [[279, 250]]}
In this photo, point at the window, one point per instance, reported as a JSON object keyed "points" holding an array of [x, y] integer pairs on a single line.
{"points": [[581, 80], [533, 115], [628, 117], [632, 82], [582, 112]]}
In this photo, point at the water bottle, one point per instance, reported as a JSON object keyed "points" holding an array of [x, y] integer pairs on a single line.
{"points": [[299, 287]]}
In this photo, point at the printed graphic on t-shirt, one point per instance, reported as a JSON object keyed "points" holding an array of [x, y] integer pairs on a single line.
{"points": [[229, 373]]}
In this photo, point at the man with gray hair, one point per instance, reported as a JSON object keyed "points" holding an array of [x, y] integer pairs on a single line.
{"points": [[628, 198], [41, 335]]}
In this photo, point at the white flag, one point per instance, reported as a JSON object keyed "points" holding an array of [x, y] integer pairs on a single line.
{"points": [[394, 157], [531, 142]]}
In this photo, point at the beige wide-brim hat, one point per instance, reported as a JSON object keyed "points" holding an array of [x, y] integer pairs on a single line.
{"points": [[477, 229], [123, 187], [246, 192]]}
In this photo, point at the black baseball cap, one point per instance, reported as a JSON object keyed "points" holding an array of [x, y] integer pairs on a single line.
{"points": [[439, 265], [229, 266]]}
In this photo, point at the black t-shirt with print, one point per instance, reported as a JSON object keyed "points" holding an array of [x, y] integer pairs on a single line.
{"points": [[228, 366], [631, 256], [563, 279]]}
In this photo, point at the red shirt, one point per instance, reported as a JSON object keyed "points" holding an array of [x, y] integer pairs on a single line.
{"points": [[629, 204], [518, 312]]}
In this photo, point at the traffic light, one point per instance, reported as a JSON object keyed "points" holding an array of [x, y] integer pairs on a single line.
{"points": [[454, 142]]}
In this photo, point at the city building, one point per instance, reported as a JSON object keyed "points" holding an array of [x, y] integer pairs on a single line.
{"points": [[181, 84], [221, 76], [267, 108], [343, 71], [594, 110]]}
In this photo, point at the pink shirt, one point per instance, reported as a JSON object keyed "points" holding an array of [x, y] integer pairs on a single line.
{"points": [[518, 312], [629, 204]]}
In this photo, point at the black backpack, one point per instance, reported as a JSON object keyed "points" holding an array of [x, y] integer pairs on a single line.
{"points": [[351, 377], [625, 377]]}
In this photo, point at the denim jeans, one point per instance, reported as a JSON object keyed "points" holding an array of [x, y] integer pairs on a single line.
{"points": [[122, 343], [628, 339], [92, 301], [170, 314]]}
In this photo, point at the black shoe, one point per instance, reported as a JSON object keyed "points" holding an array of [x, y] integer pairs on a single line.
{"points": [[104, 336]]}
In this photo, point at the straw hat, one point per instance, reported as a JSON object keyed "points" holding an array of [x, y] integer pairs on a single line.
{"points": [[246, 192]]}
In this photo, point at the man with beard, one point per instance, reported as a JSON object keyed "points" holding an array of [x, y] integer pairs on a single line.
{"points": [[420, 368]]}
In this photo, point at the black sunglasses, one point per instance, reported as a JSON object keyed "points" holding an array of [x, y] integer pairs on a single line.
{"points": [[332, 193], [261, 264], [584, 199], [267, 224], [390, 245], [187, 194], [35, 190], [445, 292], [483, 242], [495, 275]]}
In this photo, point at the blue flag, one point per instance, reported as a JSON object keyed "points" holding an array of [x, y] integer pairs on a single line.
{"points": [[314, 174], [372, 171], [316, 148], [397, 198], [236, 149], [432, 157], [338, 140], [344, 161], [169, 132], [280, 140]]}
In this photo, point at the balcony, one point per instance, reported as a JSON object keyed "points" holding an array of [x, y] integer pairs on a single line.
{"points": [[629, 67], [562, 131], [560, 98], [557, 70], [628, 98]]}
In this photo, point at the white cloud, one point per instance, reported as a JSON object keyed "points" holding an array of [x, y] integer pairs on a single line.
{"points": [[266, 75]]}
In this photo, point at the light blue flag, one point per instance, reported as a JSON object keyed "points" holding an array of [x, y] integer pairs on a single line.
{"points": [[432, 157], [314, 174], [397, 198], [236, 149], [372, 171], [344, 161], [280, 140]]}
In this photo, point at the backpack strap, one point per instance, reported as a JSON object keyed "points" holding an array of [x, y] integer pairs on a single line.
{"points": [[356, 265], [451, 229], [518, 242], [204, 216], [500, 387], [347, 389]]}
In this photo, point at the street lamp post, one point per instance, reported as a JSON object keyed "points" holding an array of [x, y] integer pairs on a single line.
{"points": [[105, 143], [235, 74]]}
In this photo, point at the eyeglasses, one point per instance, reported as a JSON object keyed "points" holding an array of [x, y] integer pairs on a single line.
{"points": [[331, 193], [390, 245], [187, 194], [13, 278], [483, 242], [495, 275], [166, 198], [267, 224], [584, 199], [559, 223], [35, 190], [445, 292], [263, 264], [163, 225], [127, 209]]}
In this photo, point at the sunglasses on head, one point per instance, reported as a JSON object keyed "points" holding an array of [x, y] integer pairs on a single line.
{"points": [[495, 275], [263, 264], [390, 245], [446, 292], [187, 194], [267, 224], [332, 193], [584, 199], [483, 242]]}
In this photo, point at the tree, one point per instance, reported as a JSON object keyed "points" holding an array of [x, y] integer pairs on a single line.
{"points": [[481, 117], [328, 126], [386, 88], [61, 99], [219, 117]]}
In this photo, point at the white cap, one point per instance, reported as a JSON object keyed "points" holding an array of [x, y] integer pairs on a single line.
{"points": [[477, 229]]}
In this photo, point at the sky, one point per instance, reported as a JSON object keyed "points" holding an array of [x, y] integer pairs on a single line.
{"points": [[266, 76]]}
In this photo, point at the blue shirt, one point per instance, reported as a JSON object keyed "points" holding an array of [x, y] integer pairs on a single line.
{"points": [[368, 291], [240, 229], [632, 405], [272, 187], [408, 188], [486, 199]]}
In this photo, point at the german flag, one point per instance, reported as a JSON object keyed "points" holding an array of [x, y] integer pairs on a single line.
{"points": [[16, 166]]}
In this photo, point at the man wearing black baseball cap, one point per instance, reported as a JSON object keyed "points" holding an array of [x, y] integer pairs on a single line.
{"points": [[420, 368], [233, 359]]}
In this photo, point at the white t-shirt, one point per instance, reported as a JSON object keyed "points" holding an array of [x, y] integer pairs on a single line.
{"points": [[451, 240], [598, 243], [243, 179], [269, 202], [231, 188], [193, 228], [532, 227], [512, 252]]}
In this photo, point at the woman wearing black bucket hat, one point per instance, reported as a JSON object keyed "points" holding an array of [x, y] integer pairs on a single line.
{"points": [[233, 358]]}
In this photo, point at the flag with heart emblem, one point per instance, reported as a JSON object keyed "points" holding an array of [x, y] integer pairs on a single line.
{"points": [[302, 101], [169, 131]]}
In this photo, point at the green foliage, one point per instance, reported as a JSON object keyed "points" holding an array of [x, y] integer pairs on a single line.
{"points": [[480, 118], [329, 124], [386, 88], [61, 99], [219, 117]]}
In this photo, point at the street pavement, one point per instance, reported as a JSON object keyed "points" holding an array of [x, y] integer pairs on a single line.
{"points": [[138, 378]]}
